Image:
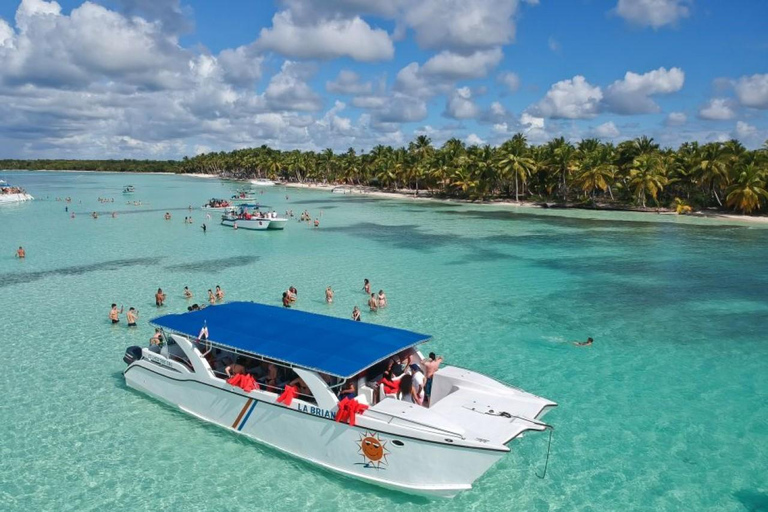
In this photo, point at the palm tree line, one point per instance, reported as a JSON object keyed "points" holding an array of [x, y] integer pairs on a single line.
{"points": [[635, 173]]}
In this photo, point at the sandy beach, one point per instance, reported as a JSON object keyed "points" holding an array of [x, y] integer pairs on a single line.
{"points": [[761, 219]]}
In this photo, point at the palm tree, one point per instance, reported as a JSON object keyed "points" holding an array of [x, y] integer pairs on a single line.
{"points": [[514, 161], [748, 189], [647, 176], [562, 158]]}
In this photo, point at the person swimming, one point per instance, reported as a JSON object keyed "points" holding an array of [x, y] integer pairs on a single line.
{"points": [[187, 293], [584, 343]]}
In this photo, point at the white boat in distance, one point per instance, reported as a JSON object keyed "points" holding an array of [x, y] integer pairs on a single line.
{"points": [[262, 182], [128, 189], [248, 216], [440, 450], [10, 194], [242, 197]]}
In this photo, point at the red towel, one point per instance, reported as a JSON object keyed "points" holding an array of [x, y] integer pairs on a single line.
{"points": [[243, 381], [390, 386], [289, 393]]}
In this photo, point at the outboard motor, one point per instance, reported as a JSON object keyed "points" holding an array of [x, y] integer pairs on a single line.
{"points": [[132, 354]]}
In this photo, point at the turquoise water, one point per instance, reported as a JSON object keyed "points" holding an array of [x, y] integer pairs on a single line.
{"points": [[667, 411]]}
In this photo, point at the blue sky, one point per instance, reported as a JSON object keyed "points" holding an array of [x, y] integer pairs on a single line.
{"points": [[167, 78]]}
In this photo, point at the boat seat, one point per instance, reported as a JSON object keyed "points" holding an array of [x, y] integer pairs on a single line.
{"points": [[367, 392]]}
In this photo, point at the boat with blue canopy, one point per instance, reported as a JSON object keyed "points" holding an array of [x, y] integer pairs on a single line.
{"points": [[325, 390]]}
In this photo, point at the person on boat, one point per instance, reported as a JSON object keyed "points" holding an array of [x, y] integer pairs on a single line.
{"points": [[584, 343], [203, 334], [389, 383], [219, 293], [372, 304], [211, 297], [21, 253], [114, 314], [234, 369], [348, 391], [366, 286], [419, 381], [328, 295], [304, 391], [382, 299], [406, 392], [159, 297], [356, 314], [271, 379], [431, 365], [157, 338], [187, 293], [286, 300], [132, 315]]}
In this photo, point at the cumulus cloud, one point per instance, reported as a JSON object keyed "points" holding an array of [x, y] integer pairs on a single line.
{"points": [[676, 119], [631, 95], [607, 130], [652, 13], [460, 104], [572, 99], [745, 130], [326, 38], [455, 66], [170, 13], [717, 109], [348, 82], [473, 140], [510, 80], [402, 109], [534, 128], [462, 26], [752, 91], [288, 89]]}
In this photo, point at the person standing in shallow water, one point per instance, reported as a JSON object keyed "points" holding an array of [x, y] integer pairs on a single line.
{"points": [[372, 304], [211, 297], [21, 253], [132, 315], [219, 293], [382, 299], [328, 295], [159, 297], [366, 286], [114, 314], [187, 293], [356, 314]]}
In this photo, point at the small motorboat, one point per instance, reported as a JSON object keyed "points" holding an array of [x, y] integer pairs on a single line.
{"points": [[129, 189], [261, 182], [246, 216], [10, 194], [242, 197]]}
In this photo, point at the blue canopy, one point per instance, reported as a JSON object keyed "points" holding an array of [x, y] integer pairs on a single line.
{"points": [[336, 346]]}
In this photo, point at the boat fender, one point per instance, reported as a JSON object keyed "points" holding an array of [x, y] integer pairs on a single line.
{"points": [[132, 354]]}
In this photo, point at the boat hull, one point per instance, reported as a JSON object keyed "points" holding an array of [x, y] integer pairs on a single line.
{"points": [[302, 430], [262, 183], [15, 198], [277, 223], [253, 224]]}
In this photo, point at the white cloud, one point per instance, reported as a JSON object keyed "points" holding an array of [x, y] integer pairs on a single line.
{"points": [[402, 109], [745, 130], [460, 105], [326, 39], [572, 99], [510, 80], [752, 91], [676, 119], [240, 66], [473, 140], [607, 130], [534, 128], [717, 109], [348, 82], [288, 90], [454, 66], [652, 13], [460, 25], [631, 95]]}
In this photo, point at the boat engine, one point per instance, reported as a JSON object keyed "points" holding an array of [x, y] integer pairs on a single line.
{"points": [[132, 354]]}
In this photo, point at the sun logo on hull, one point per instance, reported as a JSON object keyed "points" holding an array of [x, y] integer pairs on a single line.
{"points": [[373, 450]]}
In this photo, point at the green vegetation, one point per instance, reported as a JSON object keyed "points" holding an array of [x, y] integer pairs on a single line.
{"points": [[633, 174]]}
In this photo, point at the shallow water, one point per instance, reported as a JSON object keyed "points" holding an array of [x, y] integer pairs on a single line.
{"points": [[667, 411]]}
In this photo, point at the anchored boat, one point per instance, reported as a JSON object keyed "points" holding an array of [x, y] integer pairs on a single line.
{"points": [[10, 194], [261, 182], [129, 189], [440, 450], [216, 204], [248, 216]]}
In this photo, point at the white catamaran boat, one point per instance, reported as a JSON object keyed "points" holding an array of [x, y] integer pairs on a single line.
{"points": [[261, 182], [9, 194], [248, 216], [440, 450]]}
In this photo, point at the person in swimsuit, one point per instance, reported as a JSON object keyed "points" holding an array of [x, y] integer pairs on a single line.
{"points": [[157, 338], [204, 228], [328, 295], [187, 293], [159, 297], [234, 369], [366, 286], [372, 304], [382, 299], [317, 223], [219, 293], [167, 216], [584, 343], [21, 253], [114, 314], [286, 300], [356, 314], [431, 366], [348, 391], [132, 315], [211, 297]]}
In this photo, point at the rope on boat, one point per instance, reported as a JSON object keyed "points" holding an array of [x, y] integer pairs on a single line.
{"points": [[549, 445]]}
